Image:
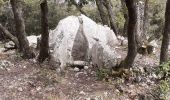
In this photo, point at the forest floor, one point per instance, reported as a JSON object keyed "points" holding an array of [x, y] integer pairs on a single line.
{"points": [[27, 80]]}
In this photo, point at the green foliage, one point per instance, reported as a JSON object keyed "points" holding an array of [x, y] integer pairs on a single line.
{"points": [[120, 21], [164, 69], [103, 74], [92, 13], [163, 89], [156, 16], [1, 2], [47, 77], [31, 12], [32, 17], [1, 5]]}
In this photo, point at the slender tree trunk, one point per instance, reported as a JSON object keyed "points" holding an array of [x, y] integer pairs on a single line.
{"points": [[166, 34], [20, 29], [146, 18], [141, 29], [132, 49], [125, 12], [44, 45], [9, 35], [109, 8], [103, 15], [139, 26]]}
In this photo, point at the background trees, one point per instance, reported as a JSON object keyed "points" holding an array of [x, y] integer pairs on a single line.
{"points": [[31, 15], [110, 12]]}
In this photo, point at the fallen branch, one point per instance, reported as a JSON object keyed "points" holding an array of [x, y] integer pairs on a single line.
{"points": [[9, 35], [78, 63]]}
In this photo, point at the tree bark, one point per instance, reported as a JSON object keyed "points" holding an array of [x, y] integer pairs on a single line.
{"points": [[9, 35], [103, 15], [166, 34], [20, 30], [44, 45], [125, 13], [146, 18], [139, 26], [132, 49], [109, 8]]}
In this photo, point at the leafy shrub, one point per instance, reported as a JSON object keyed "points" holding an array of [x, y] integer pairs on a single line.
{"points": [[163, 89], [164, 86], [103, 74], [164, 69]]}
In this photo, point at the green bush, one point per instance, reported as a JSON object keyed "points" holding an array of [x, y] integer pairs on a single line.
{"points": [[163, 89], [164, 70]]}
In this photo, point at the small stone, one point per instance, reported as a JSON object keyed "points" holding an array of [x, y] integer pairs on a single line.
{"points": [[93, 72], [138, 79], [144, 85], [8, 69], [82, 93], [76, 69], [78, 73], [24, 67], [86, 67], [117, 91], [141, 69], [20, 89], [88, 98], [38, 88], [9, 44], [131, 86], [154, 76], [105, 94], [34, 60]]}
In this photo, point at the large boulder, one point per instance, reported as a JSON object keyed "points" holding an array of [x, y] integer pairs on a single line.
{"points": [[74, 38]]}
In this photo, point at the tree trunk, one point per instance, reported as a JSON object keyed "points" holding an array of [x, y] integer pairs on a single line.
{"points": [[20, 29], [132, 50], [166, 34], [146, 18], [109, 8], [44, 45], [140, 37], [9, 35], [103, 15], [125, 13]]}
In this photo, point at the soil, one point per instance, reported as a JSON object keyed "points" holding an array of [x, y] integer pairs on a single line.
{"points": [[29, 80]]}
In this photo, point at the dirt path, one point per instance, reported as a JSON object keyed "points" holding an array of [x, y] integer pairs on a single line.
{"points": [[26, 80]]}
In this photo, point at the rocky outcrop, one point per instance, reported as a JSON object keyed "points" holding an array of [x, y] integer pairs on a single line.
{"points": [[74, 38]]}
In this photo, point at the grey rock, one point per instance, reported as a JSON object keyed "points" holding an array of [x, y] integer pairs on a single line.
{"points": [[74, 38], [9, 45], [86, 67], [103, 56], [4, 64], [76, 69]]}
